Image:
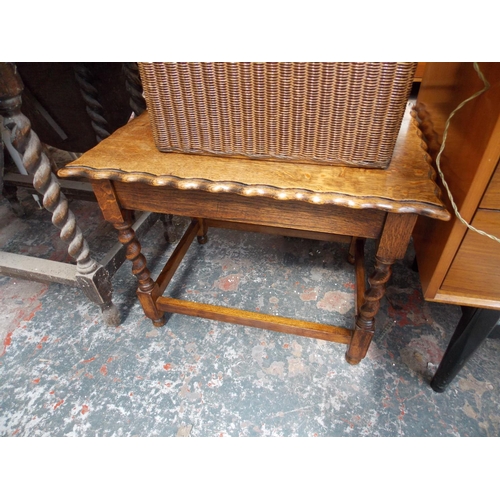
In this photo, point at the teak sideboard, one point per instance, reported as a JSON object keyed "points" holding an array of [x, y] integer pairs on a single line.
{"points": [[457, 265]]}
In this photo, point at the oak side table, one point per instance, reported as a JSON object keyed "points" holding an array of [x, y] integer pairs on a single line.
{"points": [[312, 201]]}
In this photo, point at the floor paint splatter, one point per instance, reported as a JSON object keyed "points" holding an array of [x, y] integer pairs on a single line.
{"points": [[64, 373]]}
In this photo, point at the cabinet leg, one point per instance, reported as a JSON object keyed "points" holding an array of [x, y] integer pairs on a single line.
{"points": [[473, 328]]}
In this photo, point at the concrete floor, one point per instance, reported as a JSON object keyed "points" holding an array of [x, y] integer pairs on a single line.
{"points": [[64, 373]]}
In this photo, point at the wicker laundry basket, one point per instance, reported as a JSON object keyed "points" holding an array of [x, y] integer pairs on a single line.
{"points": [[328, 113]]}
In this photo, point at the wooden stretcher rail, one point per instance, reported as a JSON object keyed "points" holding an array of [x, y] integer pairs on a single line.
{"points": [[176, 258], [250, 318], [255, 319]]}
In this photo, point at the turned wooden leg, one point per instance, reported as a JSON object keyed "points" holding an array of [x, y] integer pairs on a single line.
{"points": [[365, 320], [392, 245], [358, 249], [352, 251], [166, 220], [202, 233], [147, 289]]}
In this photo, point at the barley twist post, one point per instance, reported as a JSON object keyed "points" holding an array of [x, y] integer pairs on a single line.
{"points": [[92, 277], [94, 108], [133, 85]]}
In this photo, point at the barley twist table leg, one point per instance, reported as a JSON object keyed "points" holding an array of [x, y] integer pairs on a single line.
{"points": [[147, 289], [365, 321], [352, 251]]}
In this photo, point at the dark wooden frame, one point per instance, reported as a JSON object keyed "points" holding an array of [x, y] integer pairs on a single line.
{"points": [[94, 278]]}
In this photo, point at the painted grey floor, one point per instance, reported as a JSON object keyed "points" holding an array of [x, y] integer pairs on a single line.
{"points": [[64, 373]]}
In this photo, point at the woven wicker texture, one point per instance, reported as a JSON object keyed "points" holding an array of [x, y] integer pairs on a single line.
{"points": [[347, 113]]}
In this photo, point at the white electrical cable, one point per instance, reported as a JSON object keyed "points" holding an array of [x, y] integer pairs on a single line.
{"points": [[438, 157]]}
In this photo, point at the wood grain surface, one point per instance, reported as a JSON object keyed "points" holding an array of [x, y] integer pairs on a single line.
{"points": [[491, 198], [469, 160], [130, 155], [475, 271]]}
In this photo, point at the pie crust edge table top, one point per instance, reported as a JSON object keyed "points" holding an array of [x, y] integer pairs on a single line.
{"points": [[406, 186]]}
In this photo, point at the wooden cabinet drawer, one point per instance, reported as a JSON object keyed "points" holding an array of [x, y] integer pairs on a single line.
{"points": [[475, 271], [491, 198]]}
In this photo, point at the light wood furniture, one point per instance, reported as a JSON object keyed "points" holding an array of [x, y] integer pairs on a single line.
{"points": [[457, 265], [313, 201], [419, 73]]}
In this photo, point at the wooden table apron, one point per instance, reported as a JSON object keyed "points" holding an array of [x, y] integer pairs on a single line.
{"points": [[128, 173], [392, 230]]}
